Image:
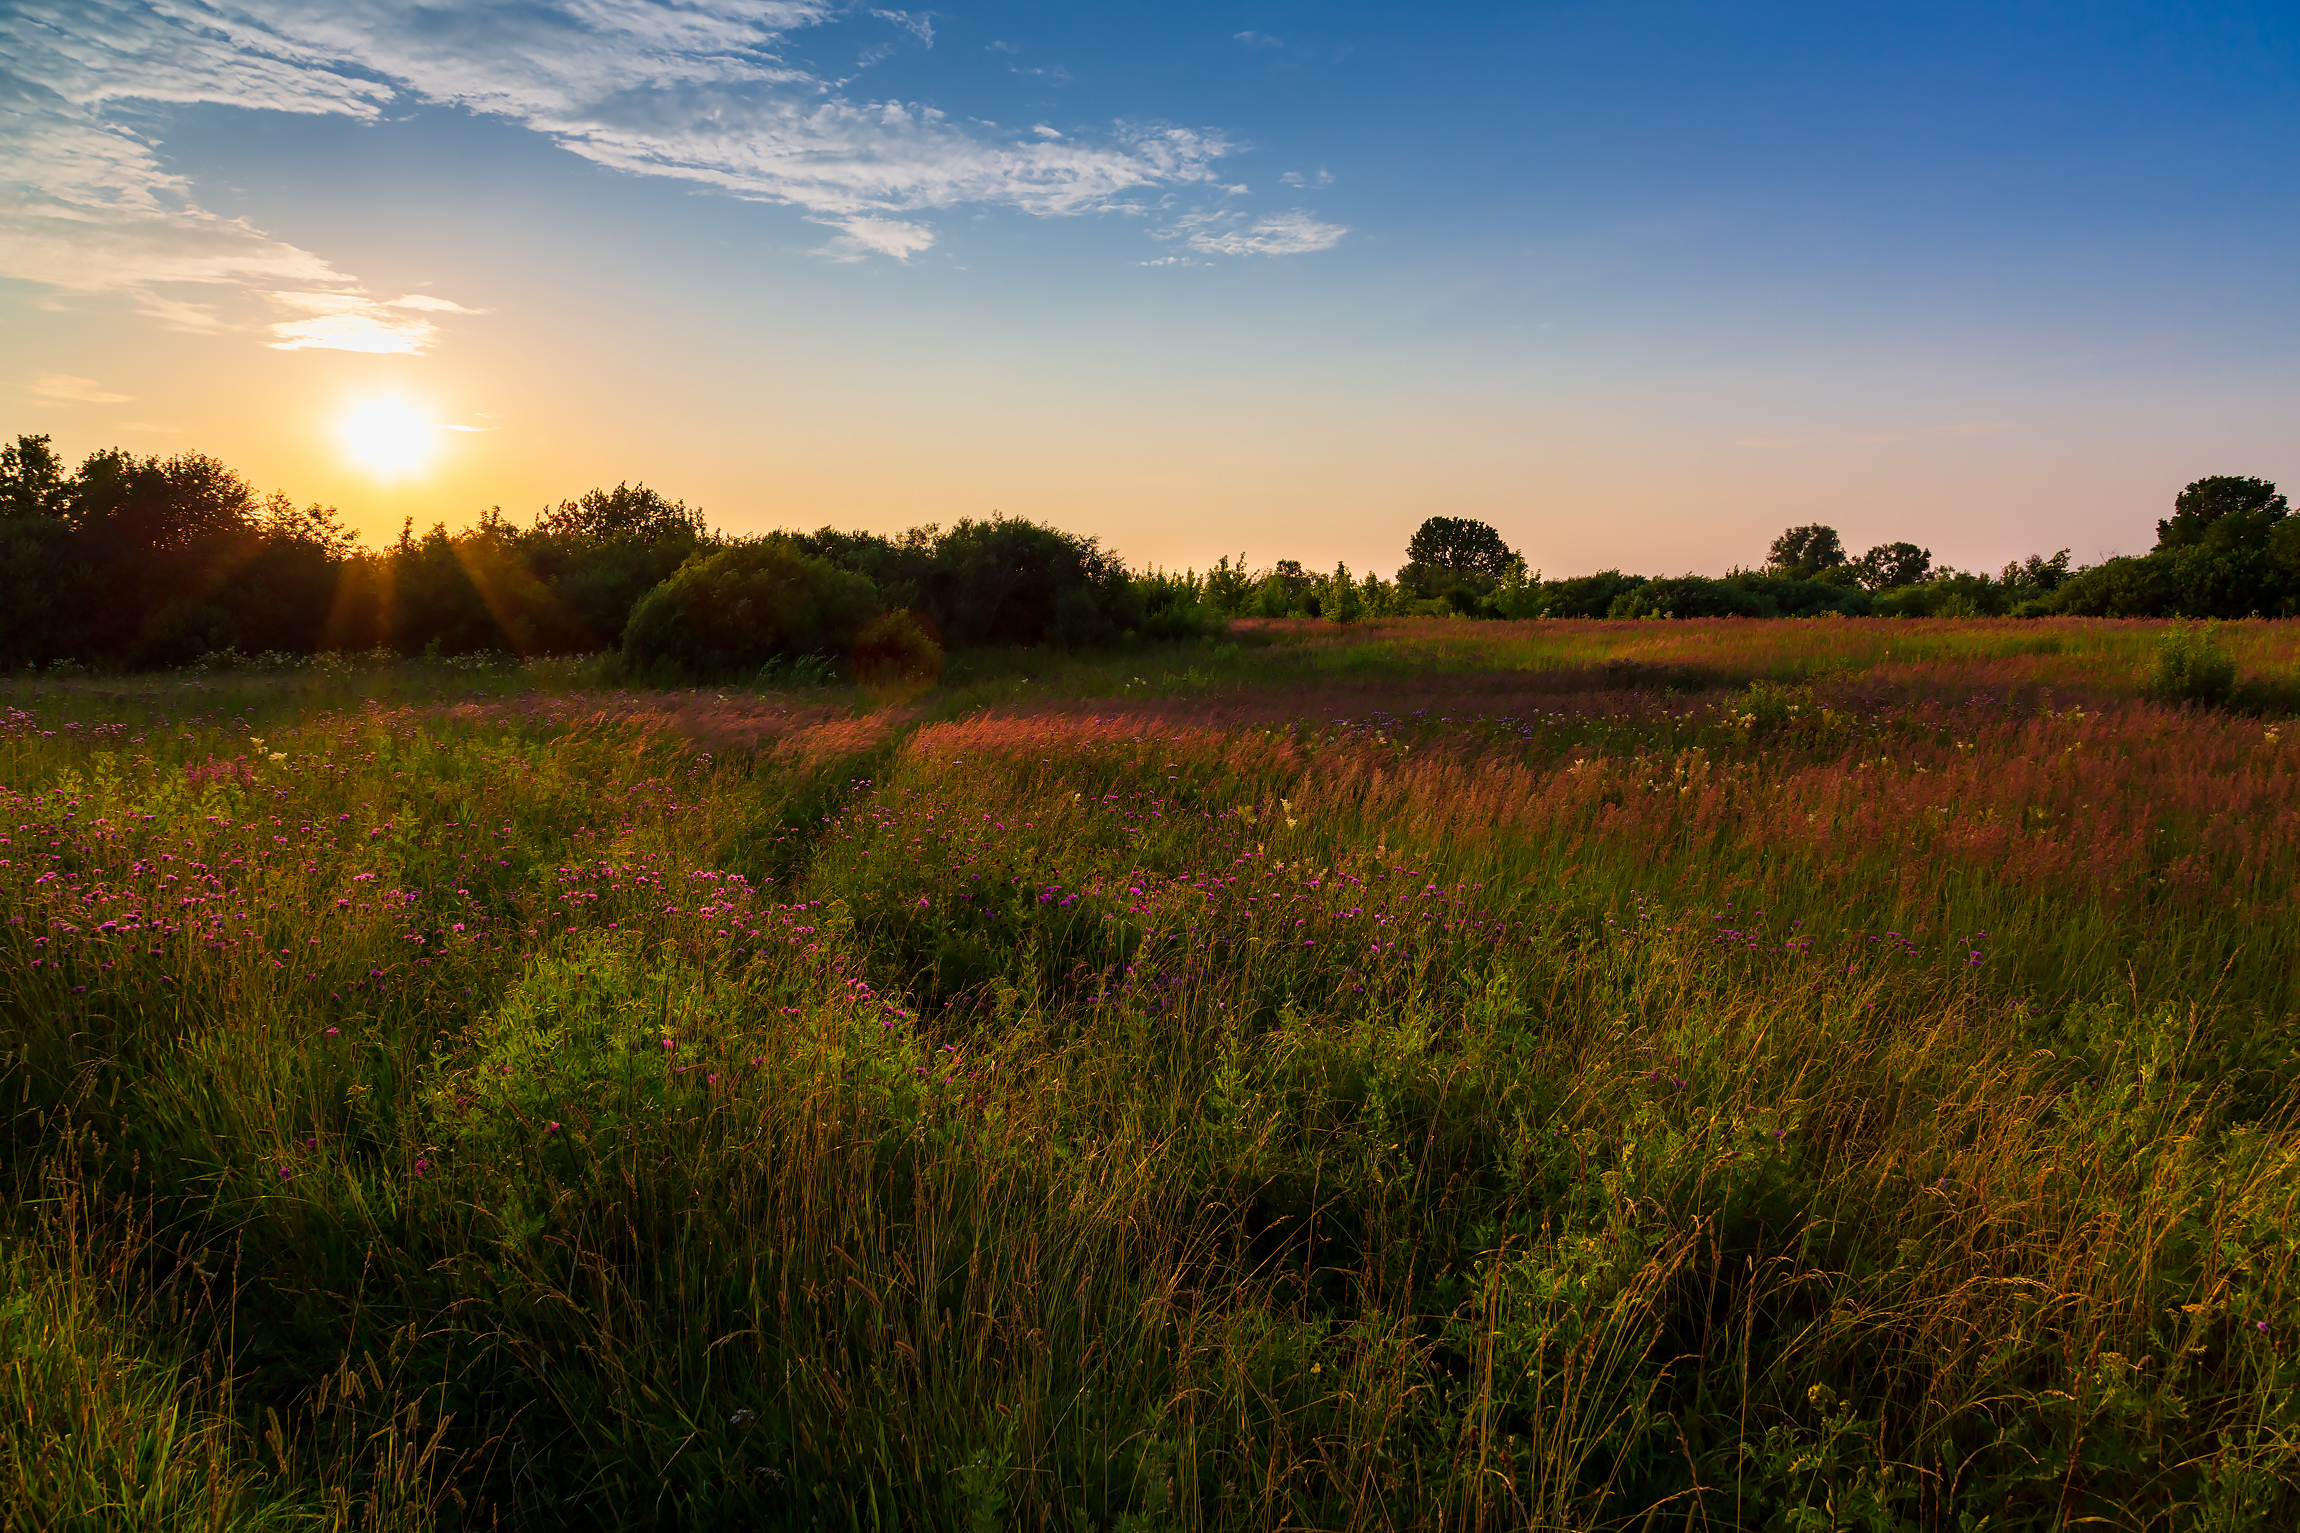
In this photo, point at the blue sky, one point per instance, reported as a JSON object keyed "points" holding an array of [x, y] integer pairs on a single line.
{"points": [[1638, 284]]}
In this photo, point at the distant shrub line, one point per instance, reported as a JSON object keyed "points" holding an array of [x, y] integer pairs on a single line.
{"points": [[131, 562]]}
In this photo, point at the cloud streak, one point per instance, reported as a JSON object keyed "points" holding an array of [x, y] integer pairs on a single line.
{"points": [[703, 94], [1294, 233]]}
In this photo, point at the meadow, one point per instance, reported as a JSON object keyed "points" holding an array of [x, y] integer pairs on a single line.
{"points": [[1797, 1075]]}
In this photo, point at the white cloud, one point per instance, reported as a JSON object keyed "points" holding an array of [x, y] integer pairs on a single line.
{"points": [[1257, 40], [919, 24], [353, 322], [1294, 233], [702, 93], [868, 235], [1297, 178], [63, 388]]}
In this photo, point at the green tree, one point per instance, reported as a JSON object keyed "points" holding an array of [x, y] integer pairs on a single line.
{"points": [[33, 484], [2036, 574], [1460, 548], [2223, 511], [1889, 566], [1802, 552]]}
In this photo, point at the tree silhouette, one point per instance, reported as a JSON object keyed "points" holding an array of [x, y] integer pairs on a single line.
{"points": [[2225, 510], [1889, 566], [1455, 545], [1807, 550]]}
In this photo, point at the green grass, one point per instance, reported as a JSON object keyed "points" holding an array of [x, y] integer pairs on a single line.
{"points": [[1434, 1075]]}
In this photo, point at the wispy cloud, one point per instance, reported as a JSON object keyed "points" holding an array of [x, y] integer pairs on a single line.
{"points": [[867, 235], [1258, 39], [351, 322], [1276, 234], [665, 88], [1302, 178], [62, 388]]}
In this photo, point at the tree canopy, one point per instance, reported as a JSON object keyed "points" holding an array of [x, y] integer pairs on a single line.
{"points": [[1806, 550], [1889, 566], [1456, 545], [2223, 510]]}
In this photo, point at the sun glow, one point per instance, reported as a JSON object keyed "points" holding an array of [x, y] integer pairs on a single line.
{"points": [[390, 438]]}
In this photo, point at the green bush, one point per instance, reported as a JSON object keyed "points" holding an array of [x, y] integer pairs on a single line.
{"points": [[1174, 606], [895, 653], [741, 606], [2191, 667], [1008, 581]]}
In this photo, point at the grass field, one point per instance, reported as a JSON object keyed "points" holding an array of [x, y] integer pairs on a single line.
{"points": [[1425, 1075]]}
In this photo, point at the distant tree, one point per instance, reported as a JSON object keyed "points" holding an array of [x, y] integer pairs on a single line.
{"points": [[33, 484], [2036, 573], [2224, 510], [626, 511], [1459, 547], [1889, 566], [1228, 586], [1805, 551]]}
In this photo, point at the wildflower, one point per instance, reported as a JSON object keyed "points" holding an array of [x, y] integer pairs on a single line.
{"points": [[333, 1031], [421, 1165], [285, 1173], [552, 1127]]}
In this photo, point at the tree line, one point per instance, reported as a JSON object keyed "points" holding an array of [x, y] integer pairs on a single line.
{"points": [[2230, 549], [135, 562]]}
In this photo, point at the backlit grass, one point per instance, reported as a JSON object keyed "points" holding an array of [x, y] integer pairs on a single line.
{"points": [[1437, 1075]]}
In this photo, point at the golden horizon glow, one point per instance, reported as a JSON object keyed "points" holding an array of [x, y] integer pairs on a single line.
{"points": [[390, 437]]}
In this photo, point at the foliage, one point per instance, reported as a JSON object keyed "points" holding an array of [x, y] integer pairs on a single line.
{"points": [[2223, 510], [1686, 596], [1174, 606], [1008, 581], [1803, 552], [1890, 566], [895, 655], [2192, 666], [735, 608], [1449, 549]]}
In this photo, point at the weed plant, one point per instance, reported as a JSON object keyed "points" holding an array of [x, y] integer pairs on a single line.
{"points": [[1773, 1076]]}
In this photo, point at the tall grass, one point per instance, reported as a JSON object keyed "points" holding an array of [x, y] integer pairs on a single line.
{"points": [[1778, 1094]]}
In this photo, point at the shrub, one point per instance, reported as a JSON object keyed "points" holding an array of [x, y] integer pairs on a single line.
{"points": [[738, 607], [895, 654], [1008, 581], [1173, 606], [2191, 667], [1686, 596]]}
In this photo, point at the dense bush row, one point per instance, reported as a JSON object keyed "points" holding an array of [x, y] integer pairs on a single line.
{"points": [[132, 561], [2229, 550]]}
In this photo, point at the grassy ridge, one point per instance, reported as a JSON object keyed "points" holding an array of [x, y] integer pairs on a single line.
{"points": [[1557, 1075]]}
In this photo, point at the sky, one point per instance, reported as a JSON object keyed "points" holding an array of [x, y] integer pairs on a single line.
{"points": [[1640, 285]]}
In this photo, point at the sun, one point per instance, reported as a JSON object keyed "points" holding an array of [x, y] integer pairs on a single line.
{"points": [[390, 438]]}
